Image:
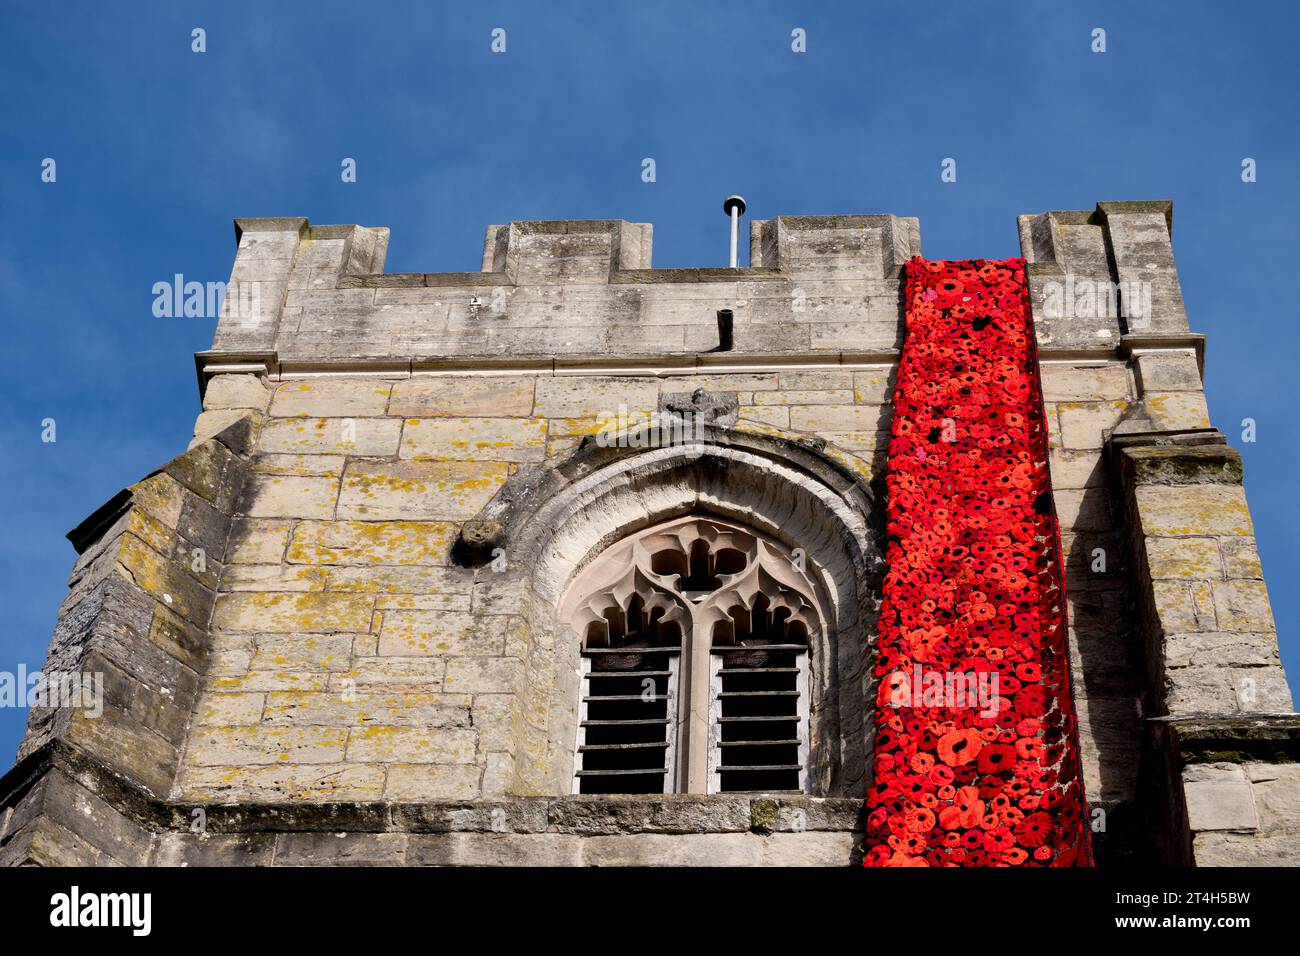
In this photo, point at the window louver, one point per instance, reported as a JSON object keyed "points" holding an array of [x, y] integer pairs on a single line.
{"points": [[760, 705], [627, 721]]}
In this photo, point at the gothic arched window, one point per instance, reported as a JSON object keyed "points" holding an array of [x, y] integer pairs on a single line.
{"points": [[696, 638]]}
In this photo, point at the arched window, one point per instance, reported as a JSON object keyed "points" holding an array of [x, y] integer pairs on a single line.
{"points": [[696, 639]]}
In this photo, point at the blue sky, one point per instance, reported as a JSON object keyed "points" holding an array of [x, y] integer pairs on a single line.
{"points": [[159, 148]]}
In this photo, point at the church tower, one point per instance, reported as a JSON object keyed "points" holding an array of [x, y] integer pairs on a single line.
{"points": [[573, 560]]}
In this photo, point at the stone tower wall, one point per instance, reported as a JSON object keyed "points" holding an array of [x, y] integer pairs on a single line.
{"points": [[338, 657]]}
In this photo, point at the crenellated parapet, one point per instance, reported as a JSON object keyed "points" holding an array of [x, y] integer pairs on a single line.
{"points": [[304, 296], [316, 296], [1097, 277]]}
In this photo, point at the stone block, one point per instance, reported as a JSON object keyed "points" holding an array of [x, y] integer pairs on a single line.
{"points": [[1246, 849], [285, 496], [811, 849], [412, 745], [250, 746], [828, 396], [813, 379], [304, 465], [45, 843], [278, 783], [1242, 606], [574, 396], [1174, 464], [874, 386], [495, 849], [302, 652], [1221, 689], [1176, 411], [273, 680], [161, 496], [462, 396], [1219, 797], [839, 418], [571, 428], [422, 673], [214, 422], [366, 543], [1240, 559], [480, 439], [331, 398], [1184, 558], [257, 540], [444, 600], [230, 710], [657, 849], [720, 382], [839, 247], [499, 776], [1086, 424], [433, 583], [484, 675], [496, 717], [1086, 383], [236, 391], [1083, 510], [1075, 469], [455, 633], [1225, 650], [776, 416], [673, 813], [210, 471], [860, 331], [1277, 795], [293, 613], [1184, 606], [340, 849], [70, 805], [364, 709], [164, 580], [374, 437], [214, 849], [183, 640], [429, 781], [1167, 371], [1193, 510], [452, 491], [272, 577]]}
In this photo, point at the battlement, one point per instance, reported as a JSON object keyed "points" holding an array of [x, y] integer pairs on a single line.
{"points": [[316, 297], [1121, 249]]}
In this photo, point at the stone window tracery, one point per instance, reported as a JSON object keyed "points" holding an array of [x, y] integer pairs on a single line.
{"points": [[696, 639]]}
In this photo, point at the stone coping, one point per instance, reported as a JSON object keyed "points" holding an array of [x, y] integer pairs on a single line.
{"points": [[1236, 738], [1186, 458], [579, 814]]}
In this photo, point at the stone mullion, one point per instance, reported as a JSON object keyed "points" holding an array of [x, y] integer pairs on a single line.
{"points": [[696, 723]]}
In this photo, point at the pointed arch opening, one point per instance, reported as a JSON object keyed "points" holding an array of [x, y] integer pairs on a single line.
{"points": [[712, 695], [690, 539]]}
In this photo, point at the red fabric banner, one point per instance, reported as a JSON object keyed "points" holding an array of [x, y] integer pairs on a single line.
{"points": [[976, 759]]}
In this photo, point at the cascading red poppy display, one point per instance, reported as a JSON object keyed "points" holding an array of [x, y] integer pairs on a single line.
{"points": [[976, 759]]}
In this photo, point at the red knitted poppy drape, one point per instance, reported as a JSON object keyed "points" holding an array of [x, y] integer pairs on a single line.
{"points": [[976, 760]]}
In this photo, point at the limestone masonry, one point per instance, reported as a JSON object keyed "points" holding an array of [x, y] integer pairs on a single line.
{"points": [[335, 631]]}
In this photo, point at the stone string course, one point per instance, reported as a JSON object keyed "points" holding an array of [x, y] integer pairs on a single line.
{"points": [[334, 683]]}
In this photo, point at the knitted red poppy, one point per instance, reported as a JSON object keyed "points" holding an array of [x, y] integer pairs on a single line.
{"points": [[974, 594]]}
